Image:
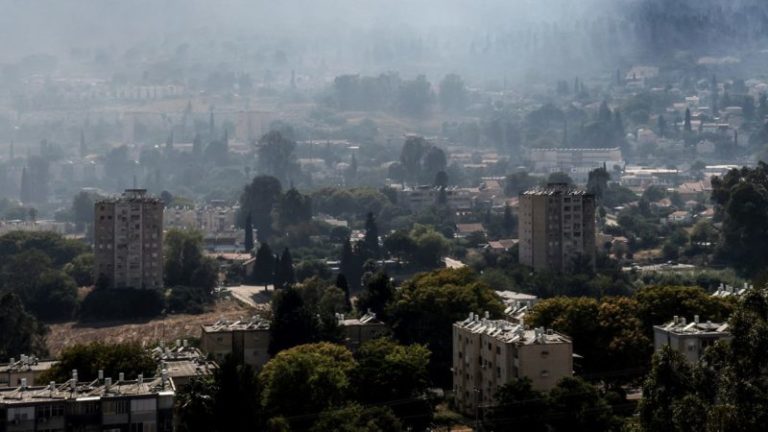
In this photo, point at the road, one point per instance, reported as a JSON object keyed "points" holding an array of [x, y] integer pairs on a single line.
{"points": [[252, 295]]}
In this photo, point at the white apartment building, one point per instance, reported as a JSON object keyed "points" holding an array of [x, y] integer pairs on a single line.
{"points": [[490, 353]]}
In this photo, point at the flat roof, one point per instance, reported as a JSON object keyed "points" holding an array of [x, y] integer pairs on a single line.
{"points": [[84, 391], [509, 332]]}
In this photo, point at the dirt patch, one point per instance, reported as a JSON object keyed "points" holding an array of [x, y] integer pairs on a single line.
{"points": [[167, 328]]}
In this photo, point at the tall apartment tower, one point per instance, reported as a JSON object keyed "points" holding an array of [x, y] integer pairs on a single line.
{"points": [[557, 226], [128, 238]]}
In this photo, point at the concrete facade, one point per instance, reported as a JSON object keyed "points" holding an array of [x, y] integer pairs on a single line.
{"points": [[357, 331], [556, 226], [689, 338], [128, 240], [246, 341], [490, 353], [103, 405]]}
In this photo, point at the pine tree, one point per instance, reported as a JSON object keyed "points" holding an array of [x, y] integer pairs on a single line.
{"points": [[225, 142], [687, 125], [248, 233]]}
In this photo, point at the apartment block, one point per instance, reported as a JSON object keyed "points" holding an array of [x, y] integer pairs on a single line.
{"points": [[490, 353], [689, 338], [246, 341], [357, 331], [128, 238], [26, 367], [102, 405], [556, 227]]}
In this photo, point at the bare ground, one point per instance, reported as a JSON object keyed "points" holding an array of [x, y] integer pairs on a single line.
{"points": [[168, 328]]}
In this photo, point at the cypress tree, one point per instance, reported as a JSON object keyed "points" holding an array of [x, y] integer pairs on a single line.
{"points": [[341, 283], [248, 233], [371, 240], [264, 266]]}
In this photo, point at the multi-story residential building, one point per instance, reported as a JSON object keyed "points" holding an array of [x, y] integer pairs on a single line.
{"points": [[26, 367], [246, 341], [102, 405], [556, 226], [689, 338], [490, 353], [128, 239], [357, 331]]}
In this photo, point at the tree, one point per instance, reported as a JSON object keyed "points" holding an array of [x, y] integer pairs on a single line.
{"points": [[229, 400], [608, 333], [355, 418], [430, 246], [249, 245], [259, 199], [371, 247], [82, 209], [597, 182], [411, 155], [285, 273], [668, 383], [415, 97], [293, 322], [578, 407], [388, 372], [304, 380], [517, 183], [185, 265], [441, 180], [351, 266], [341, 283], [295, 208], [81, 269], [434, 162], [741, 198], [264, 266], [276, 158], [20, 332], [377, 294], [426, 306], [130, 358], [559, 177], [687, 123], [517, 407], [453, 93], [399, 244], [658, 304]]}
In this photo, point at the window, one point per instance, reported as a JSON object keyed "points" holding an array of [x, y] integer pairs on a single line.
{"points": [[498, 350], [544, 373], [544, 354]]}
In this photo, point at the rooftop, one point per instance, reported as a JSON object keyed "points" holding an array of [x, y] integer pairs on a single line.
{"points": [[367, 318], [85, 391], [509, 332], [553, 189], [26, 364], [222, 325], [678, 325]]}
